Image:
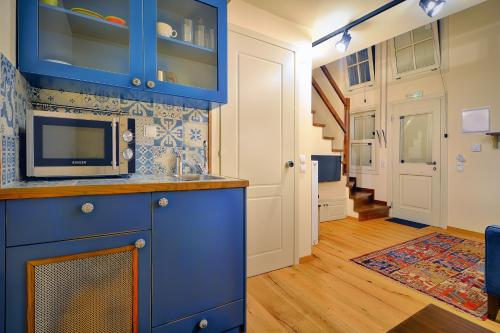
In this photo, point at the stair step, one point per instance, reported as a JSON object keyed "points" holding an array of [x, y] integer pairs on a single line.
{"points": [[319, 125], [372, 211], [328, 137], [337, 150]]}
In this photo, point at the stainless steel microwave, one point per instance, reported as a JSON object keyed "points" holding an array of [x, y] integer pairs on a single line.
{"points": [[79, 145]]}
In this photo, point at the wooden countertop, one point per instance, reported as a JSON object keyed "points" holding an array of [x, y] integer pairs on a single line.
{"points": [[135, 184]]}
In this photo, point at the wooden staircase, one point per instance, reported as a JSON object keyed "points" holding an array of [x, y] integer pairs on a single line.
{"points": [[365, 204]]}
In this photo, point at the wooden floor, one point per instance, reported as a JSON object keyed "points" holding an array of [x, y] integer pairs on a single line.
{"points": [[331, 294]]}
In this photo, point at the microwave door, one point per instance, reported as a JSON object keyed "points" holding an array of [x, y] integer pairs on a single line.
{"points": [[74, 147]]}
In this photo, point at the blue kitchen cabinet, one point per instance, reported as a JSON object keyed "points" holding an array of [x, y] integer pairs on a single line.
{"points": [[190, 58], [2, 265], [67, 288], [198, 260], [165, 50]]}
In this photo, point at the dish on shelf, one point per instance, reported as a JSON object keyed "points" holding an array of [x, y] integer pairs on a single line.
{"points": [[58, 61], [51, 2], [115, 19], [87, 12]]}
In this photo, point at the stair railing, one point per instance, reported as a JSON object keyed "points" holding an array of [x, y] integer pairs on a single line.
{"points": [[344, 124]]}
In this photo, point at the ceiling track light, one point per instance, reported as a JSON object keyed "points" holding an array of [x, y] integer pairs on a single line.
{"points": [[432, 7], [343, 43]]}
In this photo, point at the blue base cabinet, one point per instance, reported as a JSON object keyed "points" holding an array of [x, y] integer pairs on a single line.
{"points": [[18, 257], [166, 51], [198, 254], [159, 262]]}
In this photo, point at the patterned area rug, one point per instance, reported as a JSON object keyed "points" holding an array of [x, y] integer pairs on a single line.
{"points": [[448, 268]]}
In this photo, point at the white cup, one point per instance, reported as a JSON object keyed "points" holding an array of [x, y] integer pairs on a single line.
{"points": [[166, 30]]}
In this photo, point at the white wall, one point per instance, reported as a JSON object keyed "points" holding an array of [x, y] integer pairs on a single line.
{"points": [[470, 78], [474, 81], [8, 29], [246, 16]]}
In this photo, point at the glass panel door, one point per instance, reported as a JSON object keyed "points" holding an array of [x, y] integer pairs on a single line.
{"points": [[92, 34], [186, 42], [416, 138]]}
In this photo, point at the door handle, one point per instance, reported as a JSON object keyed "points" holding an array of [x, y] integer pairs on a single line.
{"points": [[431, 163], [290, 164]]}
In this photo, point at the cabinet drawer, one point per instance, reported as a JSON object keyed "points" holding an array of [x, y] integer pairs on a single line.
{"points": [[218, 320], [46, 220]]}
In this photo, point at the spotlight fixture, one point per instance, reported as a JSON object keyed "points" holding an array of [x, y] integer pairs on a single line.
{"points": [[432, 7], [343, 43]]}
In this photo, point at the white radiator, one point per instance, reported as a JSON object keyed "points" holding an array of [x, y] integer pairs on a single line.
{"points": [[332, 209]]}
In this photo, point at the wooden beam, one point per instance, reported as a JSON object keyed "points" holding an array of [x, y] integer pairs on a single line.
{"points": [[329, 105], [334, 84]]}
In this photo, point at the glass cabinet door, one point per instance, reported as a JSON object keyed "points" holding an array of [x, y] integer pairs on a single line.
{"points": [[185, 47], [100, 40]]}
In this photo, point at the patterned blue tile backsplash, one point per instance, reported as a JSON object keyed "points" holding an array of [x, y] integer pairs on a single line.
{"points": [[177, 128]]}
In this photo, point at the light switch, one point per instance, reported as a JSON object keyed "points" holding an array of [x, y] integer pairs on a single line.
{"points": [[302, 160], [150, 131], [476, 147]]}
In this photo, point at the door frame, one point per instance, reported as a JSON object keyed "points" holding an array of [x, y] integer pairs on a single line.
{"points": [[215, 130], [442, 97]]}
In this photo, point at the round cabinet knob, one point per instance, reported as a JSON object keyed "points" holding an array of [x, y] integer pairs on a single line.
{"points": [[136, 82], [163, 202], [140, 243], [128, 154], [203, 324], [87, 208], [128, 136], [151, 84], [290, 164]]}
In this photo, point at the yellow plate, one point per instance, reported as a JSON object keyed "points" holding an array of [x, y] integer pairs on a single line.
{"points": [[87, 12]]}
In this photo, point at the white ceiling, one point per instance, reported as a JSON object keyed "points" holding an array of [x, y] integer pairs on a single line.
{"points": [[324, 16]]}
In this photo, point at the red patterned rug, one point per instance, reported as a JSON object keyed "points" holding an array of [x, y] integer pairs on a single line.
{"points": [[445, 267]]}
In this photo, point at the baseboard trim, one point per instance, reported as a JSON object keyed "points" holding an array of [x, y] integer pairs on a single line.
{"points": [[305, 259], [467, 232]]}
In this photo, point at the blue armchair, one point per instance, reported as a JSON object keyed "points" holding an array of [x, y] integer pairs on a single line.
{"points": [[492, 270]]}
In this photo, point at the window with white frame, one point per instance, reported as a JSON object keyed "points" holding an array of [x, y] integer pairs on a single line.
{"points": [[360, 68], [363, 141], [416, 51]]}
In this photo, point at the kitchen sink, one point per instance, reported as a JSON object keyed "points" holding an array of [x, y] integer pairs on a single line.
{"points": [[198, 178]]}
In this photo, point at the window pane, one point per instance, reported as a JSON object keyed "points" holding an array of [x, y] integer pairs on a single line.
{"points": [[364, 72], [422, 33], [365, 154], [351, 59], [424, 54], [404, 60], [369, 127], [363, 55], [355, 158], [353, 75], [403, 40], [416, 138], [358, 128]]}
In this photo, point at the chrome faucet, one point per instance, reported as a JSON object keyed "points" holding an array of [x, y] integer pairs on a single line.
{"points": [[178, 163]]}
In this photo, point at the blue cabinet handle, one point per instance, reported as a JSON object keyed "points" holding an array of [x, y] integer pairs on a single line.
{"points": [[136, 82], [140, 243], [87, 208], [163, 202], [203, 324]]}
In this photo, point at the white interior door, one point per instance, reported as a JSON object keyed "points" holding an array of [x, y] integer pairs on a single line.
{"points": [[417, 162], [257, 141]]}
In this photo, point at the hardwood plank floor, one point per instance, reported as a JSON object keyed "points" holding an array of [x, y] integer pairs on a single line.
{"points": [[331, 294]]}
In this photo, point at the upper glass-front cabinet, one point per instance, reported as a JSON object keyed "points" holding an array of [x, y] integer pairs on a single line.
{"points": [[147, 47], [186, 47], [91, 41]]}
